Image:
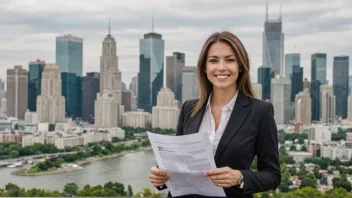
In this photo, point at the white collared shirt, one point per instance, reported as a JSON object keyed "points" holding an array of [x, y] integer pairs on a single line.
{"points": [[208, 123]]}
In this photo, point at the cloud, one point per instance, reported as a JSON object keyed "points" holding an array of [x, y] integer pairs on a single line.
{"points": [[29, 28]]}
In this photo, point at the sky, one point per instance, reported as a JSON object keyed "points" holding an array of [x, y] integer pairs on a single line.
{"points": [[28, 28]]}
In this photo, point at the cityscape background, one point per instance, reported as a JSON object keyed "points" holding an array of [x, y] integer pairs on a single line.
{"points": [[86, 82]]}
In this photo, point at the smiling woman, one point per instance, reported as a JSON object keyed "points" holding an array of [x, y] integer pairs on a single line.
{"points": [[239, 126]]}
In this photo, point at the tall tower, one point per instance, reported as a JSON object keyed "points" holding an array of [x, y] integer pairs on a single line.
{"points": [[273, 44], [174, 66], [69, 59], [280, 98], [318, 77], [151, 70], [165, 113], [340, 82], [51, 104], [303, 107], [36, 69], [328, 104], [107, 106], [17, 92]]}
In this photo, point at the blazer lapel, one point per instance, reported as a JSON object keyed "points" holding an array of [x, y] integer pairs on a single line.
{"points": [[193, 123], [238, 115]]}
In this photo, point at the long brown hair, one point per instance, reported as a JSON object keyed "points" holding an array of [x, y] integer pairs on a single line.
{"points": [[243, 81]]}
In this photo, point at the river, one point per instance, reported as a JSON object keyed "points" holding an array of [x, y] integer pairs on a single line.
{"points": [[130, 169]]}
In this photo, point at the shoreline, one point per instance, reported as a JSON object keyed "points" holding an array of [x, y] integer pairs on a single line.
{"points": [[80, 162]]}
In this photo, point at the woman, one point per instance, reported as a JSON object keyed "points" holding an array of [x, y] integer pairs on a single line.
{"points": [[239, 126]]}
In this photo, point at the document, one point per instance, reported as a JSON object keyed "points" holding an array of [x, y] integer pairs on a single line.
{"points": [[185, 159]]}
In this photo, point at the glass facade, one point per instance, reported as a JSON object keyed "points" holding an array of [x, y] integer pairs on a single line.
{"points": [[315, 96], [318, 70], [340, 83], [264, 78], [273, 46], [72, 91], [290, 61], [296, 81], [151, 70], [69, 58], [36, 69]]}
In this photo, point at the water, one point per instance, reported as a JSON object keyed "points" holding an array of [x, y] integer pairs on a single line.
{"points": [[130, 169]]}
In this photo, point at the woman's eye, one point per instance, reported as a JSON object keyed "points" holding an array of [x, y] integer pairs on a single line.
{"points": [[230, 60], [213, 60]]}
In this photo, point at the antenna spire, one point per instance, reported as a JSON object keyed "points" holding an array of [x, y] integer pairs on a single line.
{"points": [[280, 12], [266, 15], [109, 26]]}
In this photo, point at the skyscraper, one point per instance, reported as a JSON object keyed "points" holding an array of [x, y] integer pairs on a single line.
{"points": [[257, 88], [290, 61], [51, 104], [134, 89], [110, 87], [189, 84], [340, 82], [273, 44], [264, 78], [90, 88], [127, 99], [318, 77], [69, 54], [280, 98], [303, 107], [306, 85], [318, 70], [296, 81], [2, 95], [36, 69], [165, 114], [17, 92], [174, 66], [151, 70], [69, 58], [328, 104]]}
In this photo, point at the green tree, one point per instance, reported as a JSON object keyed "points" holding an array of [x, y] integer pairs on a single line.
{"points": [[42, 166], [336, 193], [308, 181], [70, 189], [342, 182], [130, 191], [293, 148], [307, 192], [14, 154], [304, 148]]}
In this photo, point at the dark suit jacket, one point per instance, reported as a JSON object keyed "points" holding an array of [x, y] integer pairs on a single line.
{"points": [[251, 131]]}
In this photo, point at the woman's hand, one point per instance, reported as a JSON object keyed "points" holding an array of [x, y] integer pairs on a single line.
{"points": [[224, 177], [158, 177]]}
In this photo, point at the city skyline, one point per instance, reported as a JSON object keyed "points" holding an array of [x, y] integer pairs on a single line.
{"points": [[30, 36]]}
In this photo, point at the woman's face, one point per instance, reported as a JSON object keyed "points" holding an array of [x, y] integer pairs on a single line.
{"points": [[221, 66]]}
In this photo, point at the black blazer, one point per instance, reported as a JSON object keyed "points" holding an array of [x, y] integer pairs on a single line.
{"points": [[251, 131]]}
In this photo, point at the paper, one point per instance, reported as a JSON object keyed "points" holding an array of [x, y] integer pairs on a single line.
{"points": [[185, 159]]}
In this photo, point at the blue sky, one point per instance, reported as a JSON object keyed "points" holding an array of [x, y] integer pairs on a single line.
{"points": [[28, 28]]}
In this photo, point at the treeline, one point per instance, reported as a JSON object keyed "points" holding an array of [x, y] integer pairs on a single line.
{"points": [[306, 192], [109, 189]]}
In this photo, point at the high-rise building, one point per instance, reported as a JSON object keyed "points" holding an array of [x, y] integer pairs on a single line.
{"points": [[318, 70], [51, 104], [328, 104], [306, 85], [165, 114], [349, 107], [151, 70], [174, 67], [257, 88], [127, 99], [110, 87], [264, 78], [134, 86], [349, 84], [2, 94], [2, 85], [296, 81], [36, 69], [303, 107], [290, 61], [280, 98], [189, 84], [273, 44], [69, 54], [17, 92], [123, 86], [3, 106], [340, 82], [69, 59], [90, 88], [315, 96], [106, 110]]}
